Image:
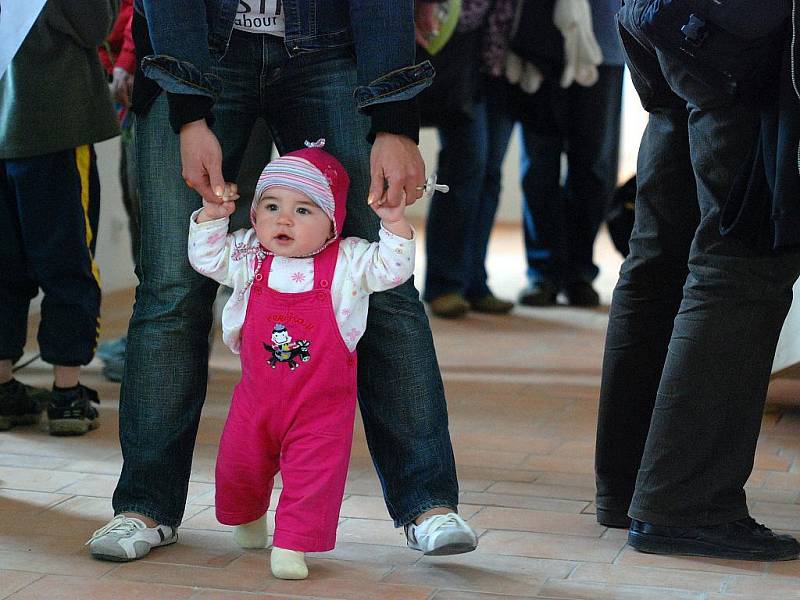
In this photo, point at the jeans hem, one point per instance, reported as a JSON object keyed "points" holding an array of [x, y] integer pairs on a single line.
{"points": [[410, 515], [146, 512], [706, 519]]}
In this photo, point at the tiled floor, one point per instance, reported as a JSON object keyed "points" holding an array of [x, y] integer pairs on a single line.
{"points": [[522, 394]]}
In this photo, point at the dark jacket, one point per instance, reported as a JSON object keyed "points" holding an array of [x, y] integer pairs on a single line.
{"points": [[54, 95], [763, 208]]}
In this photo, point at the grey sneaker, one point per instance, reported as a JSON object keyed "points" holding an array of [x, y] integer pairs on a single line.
{"points": [[441, 534], [124, 539]]}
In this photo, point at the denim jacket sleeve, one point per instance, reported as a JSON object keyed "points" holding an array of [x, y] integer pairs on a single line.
{"points": [[388, 78], [181, 60]]}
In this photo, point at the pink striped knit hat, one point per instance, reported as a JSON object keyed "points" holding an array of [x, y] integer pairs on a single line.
{"points": [[313, 172]]}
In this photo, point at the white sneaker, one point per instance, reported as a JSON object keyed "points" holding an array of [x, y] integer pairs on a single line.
{"points": [[441, 534], [123, 539]]}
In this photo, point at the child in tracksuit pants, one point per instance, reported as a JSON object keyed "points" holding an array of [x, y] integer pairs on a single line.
{"points": [[298, 308]]}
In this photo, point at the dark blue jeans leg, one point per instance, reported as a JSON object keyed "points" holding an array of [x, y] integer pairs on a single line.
{"points": [[498, 128], [452, 217], [592, 159], [543, 206], [401, 395], [166, 368]]}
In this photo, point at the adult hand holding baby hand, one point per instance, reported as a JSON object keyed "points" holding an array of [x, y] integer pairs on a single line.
{"points": [[395, 161], [220, 210]]}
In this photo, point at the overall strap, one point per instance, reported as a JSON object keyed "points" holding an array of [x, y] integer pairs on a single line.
{"points": [[325, 265]]}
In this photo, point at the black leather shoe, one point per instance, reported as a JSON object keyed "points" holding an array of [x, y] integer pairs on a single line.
{"points": [[615, 520], [539, 294], [740, 540], [581, 293]]}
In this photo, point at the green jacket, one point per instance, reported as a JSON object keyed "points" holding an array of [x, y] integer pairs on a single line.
{"points": [[54, 94]]}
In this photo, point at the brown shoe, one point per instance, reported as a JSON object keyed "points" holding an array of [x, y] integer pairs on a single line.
{"points": [[449, 306], [491, 305]]}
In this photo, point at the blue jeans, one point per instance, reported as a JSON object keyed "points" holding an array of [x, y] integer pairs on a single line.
{"points": [[695, 316], [561, 223], [400, 390], [460, 222]]}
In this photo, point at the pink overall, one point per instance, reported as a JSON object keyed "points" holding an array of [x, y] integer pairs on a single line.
{"points": [[291, 412]]}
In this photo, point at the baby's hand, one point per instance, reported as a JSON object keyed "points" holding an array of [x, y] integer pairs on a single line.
{"points": [[393, 218], [220, 210]]}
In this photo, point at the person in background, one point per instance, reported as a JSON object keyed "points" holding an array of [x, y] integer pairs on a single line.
{"points": [[54, 105], [580, 119], [460, 105]]}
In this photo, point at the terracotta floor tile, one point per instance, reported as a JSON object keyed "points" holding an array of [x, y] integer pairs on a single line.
{"points": [[542, 545], [631, 557], [33, 502], [519, 501], [74, 564], [591, 591], [538, 521], [466, 577], [54, 587], [226, 595], [651, 577], [564, 492], [12, 581], [36, 480], [785, 588], [462, 595]]}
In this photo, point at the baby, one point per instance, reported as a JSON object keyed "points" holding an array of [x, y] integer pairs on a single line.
{"points": [[298, 308]]}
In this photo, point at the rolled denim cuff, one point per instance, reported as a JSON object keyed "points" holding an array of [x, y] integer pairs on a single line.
{"points": [[180, 77], [402, 84], [185, 108], [401, 118]]}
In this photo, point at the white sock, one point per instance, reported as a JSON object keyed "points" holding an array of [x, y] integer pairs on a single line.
{"points": [[252, 534], [288, 564]]}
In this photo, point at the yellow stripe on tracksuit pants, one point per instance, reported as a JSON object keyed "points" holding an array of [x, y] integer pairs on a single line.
{"points": [[49, 212]]}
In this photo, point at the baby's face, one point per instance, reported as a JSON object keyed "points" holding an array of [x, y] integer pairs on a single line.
{"points": [[288, 223]]}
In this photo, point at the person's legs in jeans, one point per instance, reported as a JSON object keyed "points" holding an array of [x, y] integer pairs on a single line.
{"points": [[543, 208], [452, 216], [499, 127], [168, 333], [592, 158], [649, 290], [400, 389]]}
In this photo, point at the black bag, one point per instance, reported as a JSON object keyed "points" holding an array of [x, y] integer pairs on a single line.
{"points": [[730, 44], [619, 215]]}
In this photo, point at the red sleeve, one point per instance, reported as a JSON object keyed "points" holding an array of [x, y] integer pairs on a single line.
{"points": [[127, 54]]}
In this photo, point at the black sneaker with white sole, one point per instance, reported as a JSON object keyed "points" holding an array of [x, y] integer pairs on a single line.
{"points": [[71, 412]]}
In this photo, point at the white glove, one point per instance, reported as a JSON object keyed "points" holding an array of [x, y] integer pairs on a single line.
{"points": [[573, 18], [522, 73]]}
